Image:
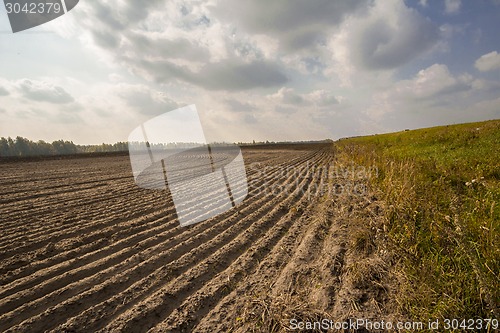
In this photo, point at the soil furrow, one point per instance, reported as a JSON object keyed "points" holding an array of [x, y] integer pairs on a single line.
{"points": [[165, 300], [18, 317], [195, 307]]}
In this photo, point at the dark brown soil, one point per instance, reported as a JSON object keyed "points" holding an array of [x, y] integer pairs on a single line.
{"points": [[83, 249]]}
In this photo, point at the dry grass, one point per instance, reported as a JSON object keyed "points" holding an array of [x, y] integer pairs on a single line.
{"points": [[274, 315], [441, 187]]}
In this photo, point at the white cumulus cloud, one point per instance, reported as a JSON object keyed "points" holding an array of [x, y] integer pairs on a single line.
{"points": [[488, 62], [387, 37]]}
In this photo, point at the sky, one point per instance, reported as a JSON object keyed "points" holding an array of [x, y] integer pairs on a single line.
{"points": [[256, 70]]}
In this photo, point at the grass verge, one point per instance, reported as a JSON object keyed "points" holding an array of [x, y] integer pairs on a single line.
{"points": [[441, 187]]}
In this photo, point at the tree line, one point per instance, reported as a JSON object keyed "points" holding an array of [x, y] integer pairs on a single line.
{"points": [[23, 147]]}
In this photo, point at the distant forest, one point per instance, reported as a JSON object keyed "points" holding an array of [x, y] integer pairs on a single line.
{"points": [[24, 147]]}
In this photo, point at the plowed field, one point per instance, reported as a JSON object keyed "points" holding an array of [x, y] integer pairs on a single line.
{"points": [[84, 249]]}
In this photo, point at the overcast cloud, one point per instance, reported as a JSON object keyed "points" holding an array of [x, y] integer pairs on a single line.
{"points": [[263, 70], [43, 92], [3, 91]]}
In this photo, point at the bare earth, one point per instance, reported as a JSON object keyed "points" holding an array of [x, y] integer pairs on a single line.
{"points": [[83, 249]]}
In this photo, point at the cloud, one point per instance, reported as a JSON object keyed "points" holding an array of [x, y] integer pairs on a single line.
{"points": [[296, 24], [429, 88], [3, 91], [269, 69], [163, 47], [452, 6], [318, 98], [230, 75], [313, 65], [119, 16], [238, 106], [285, 109], [434, 96], [323, 98], [288, 96], [43, 92], [250, 119], [488, 62], [390, 36], [257, 44], [145, 100], [433, 82], [174, 41], [367, 47]]}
